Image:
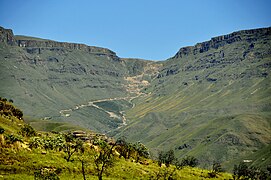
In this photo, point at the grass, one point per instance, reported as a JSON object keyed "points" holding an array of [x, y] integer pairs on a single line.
{"points": [[25, 163], [18, 161]]}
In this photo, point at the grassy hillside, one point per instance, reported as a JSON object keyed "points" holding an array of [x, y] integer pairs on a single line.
{"points": [[47, 77], [213, 104], [42, 155]]}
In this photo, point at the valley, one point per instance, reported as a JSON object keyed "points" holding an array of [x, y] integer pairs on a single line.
{"points": [[210, 100]]}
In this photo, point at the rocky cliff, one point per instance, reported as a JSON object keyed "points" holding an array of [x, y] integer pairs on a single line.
{"points": [[33, 45], [6, 36], [246, 35]]}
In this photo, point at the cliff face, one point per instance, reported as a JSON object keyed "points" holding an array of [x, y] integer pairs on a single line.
{"points": [[37, 45], [220, 41], [6, 36]]}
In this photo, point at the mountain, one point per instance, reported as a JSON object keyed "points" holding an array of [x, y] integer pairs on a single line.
{"points": [[61, 81], [211, 100]]}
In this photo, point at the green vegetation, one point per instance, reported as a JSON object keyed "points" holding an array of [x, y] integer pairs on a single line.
{"points": [[242, 171], [213, 105], [27, 154]]}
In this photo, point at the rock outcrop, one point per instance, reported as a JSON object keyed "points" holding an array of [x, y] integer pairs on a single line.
{"points": [[6, 36], [216, 42], [37, 45]]}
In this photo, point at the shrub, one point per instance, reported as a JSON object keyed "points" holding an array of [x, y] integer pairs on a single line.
{"points": [[166, 157], [215, 170], [53, 142], [71, 146], [2, 130], [35, 142], [12, 138], [28, 131], [242, 171], [189, 161], [141, 151], [47, 174]]}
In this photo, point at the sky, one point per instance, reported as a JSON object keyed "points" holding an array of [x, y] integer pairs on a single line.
{"points": [[146, 29]]}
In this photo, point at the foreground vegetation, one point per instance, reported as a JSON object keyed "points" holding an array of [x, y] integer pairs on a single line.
{"points": [[27, 154]]}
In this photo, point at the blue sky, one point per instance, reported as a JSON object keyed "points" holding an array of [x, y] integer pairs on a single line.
{"points": [[148, 29]]}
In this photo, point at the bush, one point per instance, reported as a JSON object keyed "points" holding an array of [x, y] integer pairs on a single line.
{"points": [[53, 142], [215, 170], [189, 161], [166, 157], [28, 131], [12, 138], [242, 171], [2, 130], [35, 142], [47, 174], [140, 151]]}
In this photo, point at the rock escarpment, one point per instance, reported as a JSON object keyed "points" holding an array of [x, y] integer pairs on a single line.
{"points": [[36, 45], [216, 42]]}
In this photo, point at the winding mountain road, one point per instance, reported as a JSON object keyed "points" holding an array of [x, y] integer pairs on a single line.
{"points": [[67, 112]]}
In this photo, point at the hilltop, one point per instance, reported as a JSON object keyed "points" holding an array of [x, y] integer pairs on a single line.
{"points": [[211, 100]]}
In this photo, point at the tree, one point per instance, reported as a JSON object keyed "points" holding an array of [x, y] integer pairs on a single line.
{"points": [[189, 161], [105, 158], [166, 157], [216, 168], [122, 147], [71, 146], [18, 113], [140, 151], [83, 167], [242, 171]]}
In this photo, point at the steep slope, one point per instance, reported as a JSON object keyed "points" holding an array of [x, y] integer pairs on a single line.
{"points": [[211, 100], [59, 81]]}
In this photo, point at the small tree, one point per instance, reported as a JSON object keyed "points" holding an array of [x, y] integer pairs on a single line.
{"points": [[242, 171], [216, 168], [104, 158], [189, 161], [18, 113], [122, 147], [140, 151], [71, 146], [166, 157]]}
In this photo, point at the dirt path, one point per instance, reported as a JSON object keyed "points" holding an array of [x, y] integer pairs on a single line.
{"points": [[67, 112], [134, 86]]}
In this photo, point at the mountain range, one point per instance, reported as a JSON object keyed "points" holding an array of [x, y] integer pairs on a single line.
{"points": [[211, 100]]}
